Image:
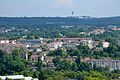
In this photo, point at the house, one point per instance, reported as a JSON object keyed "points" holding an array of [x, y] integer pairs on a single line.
{"points": [[48, 61], [54, 45], [71, 58], [105, 44], [96, 31], [115, 28], [12, 41], [4, 41], [99, 31], [34, 57], [16, 77], [30, 42], [57, 44], [38, 50], [73, 40], [88, 43]]}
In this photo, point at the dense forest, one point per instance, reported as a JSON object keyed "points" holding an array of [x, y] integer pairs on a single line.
{"points": [[59, 21]]}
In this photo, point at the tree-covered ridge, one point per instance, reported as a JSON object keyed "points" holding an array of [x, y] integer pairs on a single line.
{"points": [[59, 21]]}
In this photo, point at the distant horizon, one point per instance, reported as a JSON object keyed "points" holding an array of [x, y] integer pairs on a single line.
{"points": [[58, 16]]}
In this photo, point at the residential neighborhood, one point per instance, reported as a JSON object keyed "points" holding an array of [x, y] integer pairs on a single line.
{"points": [[59, 39]]}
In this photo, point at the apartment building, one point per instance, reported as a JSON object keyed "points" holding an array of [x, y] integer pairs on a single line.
{"points": [[111, 64]]}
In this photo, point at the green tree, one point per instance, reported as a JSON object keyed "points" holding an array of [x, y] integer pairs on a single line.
{"points": [[10, 64], [42, 76], [83, 66], [39, 64]]}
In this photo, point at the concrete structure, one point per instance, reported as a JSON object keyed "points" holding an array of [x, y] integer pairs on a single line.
{"points": [[74, 40], [112, 64]]}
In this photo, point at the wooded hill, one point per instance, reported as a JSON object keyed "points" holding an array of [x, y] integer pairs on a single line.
{"points": [[60, 21]]}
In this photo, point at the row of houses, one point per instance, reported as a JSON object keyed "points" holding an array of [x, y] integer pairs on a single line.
{"points": [[7, 41], [54, 43], [110, 63], [96, 31]]}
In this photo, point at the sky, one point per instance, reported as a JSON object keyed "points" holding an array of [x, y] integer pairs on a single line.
{"points": [[51, 8]]}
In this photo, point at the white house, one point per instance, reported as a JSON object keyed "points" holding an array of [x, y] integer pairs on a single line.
{"points": [[17, 77], [4, 41], [105, 44]]}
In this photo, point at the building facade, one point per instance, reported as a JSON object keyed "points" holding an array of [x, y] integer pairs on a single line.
{"points": [[111, 64]]}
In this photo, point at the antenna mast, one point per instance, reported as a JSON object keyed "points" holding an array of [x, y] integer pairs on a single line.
{"points": [[72, 13]]}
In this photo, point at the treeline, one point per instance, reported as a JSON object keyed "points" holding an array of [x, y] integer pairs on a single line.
{"points": [[59, 21]]}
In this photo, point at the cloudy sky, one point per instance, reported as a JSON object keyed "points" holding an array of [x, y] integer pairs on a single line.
{"points": [[95, 8]]}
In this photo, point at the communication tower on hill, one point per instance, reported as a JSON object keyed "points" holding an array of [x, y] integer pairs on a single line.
{"points": [[72, 13]]}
